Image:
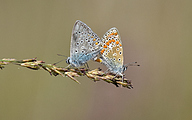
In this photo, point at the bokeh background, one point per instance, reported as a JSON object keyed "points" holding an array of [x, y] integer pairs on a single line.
{"points": [[155, 33]]}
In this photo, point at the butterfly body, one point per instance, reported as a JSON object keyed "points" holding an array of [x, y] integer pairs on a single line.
{"points": [[85, 45]]}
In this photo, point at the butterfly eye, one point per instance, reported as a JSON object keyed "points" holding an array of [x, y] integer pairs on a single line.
{"points": [[76, 51], [83, 51], [81, 41], [119, 59], [79, 32], [124, 68], [120, 52], [117, 49], [114, 59], [68, 60]]}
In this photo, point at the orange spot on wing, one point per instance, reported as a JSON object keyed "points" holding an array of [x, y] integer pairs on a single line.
{"points": [[113, 40], [120, 45], [105, 46], [110, 34], [102, 51], [96, 43], [91, 36], [98, 60], [110, 41], [107, 43], [117, 42], [94, 39], [115, 33]]}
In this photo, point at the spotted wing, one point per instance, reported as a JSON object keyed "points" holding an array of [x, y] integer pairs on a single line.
{"points": [[112, 52], [83, 41]]}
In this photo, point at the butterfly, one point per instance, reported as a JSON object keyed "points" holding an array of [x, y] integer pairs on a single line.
{"points": [[111, 54], [85, 45]]}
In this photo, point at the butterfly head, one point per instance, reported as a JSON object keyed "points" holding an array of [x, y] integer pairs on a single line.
{"points": [[124, 68], [73, 63]]}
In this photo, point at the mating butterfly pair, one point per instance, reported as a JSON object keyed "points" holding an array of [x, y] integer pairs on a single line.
{"points": [[86, 45]]}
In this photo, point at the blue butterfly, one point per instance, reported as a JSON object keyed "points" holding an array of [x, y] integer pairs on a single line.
{"points": [[85, 45]]}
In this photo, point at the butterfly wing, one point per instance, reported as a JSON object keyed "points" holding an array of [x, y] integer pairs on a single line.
{"points": [[112, 51], [83, 42]]}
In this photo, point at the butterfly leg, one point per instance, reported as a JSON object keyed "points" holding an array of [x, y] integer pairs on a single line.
{"points": [[106, 71], [87, 65], [115, 82], [68, 66], [122, 78]]}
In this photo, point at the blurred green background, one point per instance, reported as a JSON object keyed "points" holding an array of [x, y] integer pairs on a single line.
{"points": [[155, 33]]}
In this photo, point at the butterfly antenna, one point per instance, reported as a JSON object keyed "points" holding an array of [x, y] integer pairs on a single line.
{"points": [[62, 55], [59, 61], [131, 64]]}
